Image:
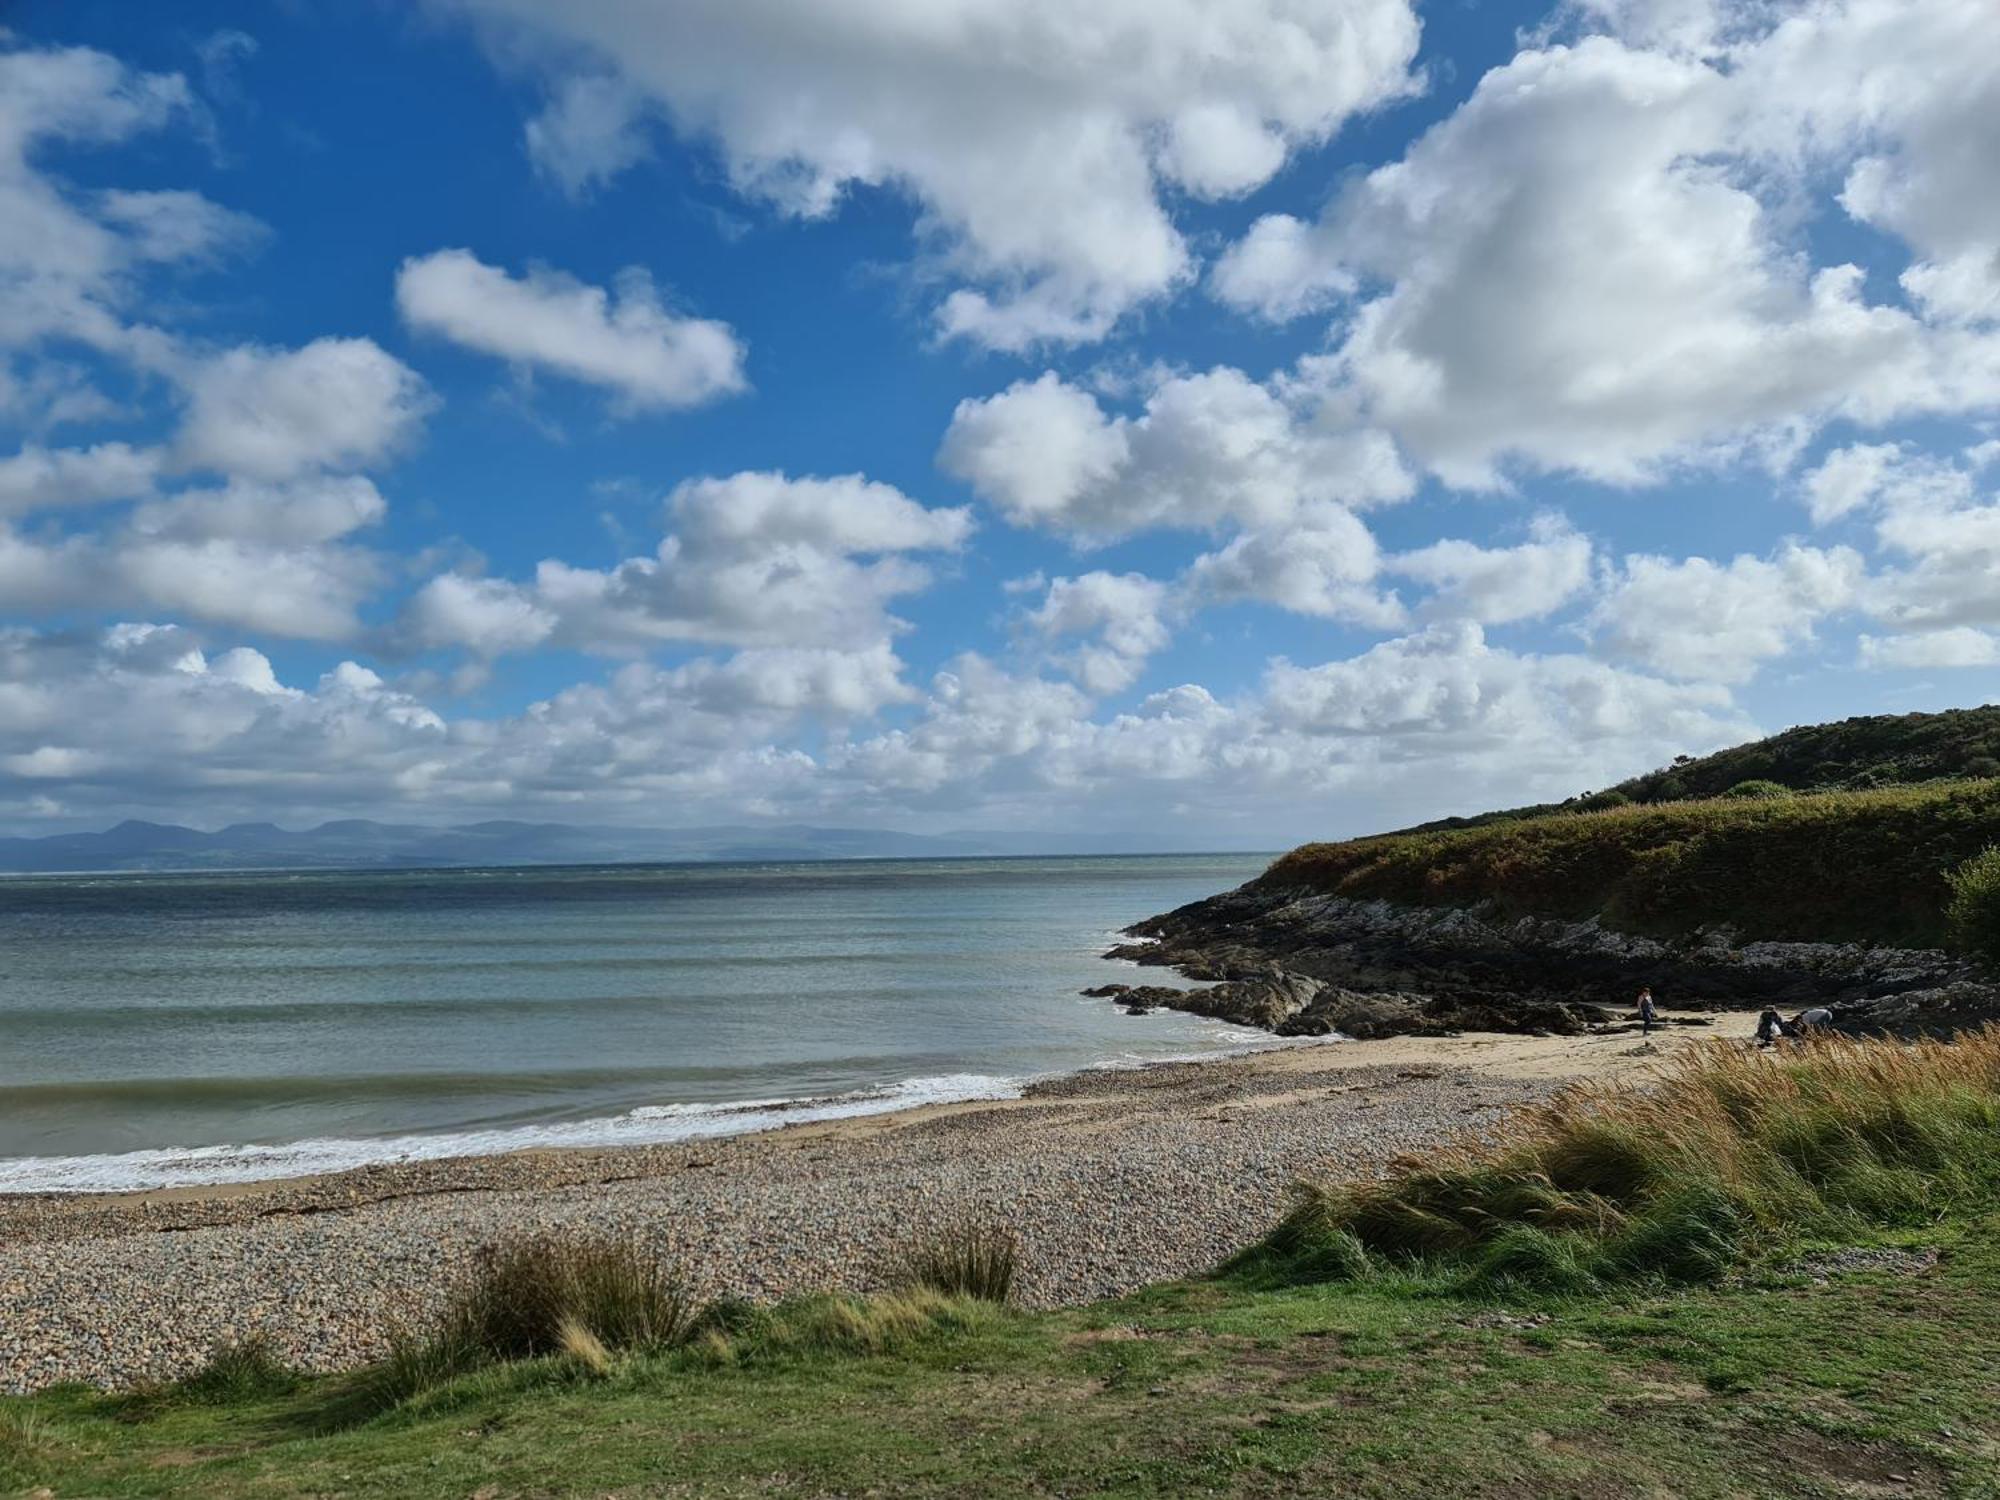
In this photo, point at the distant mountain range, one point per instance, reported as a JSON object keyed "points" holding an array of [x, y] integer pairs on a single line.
{"points": [[356, 842]]}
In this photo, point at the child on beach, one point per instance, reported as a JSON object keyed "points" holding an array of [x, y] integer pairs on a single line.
{"points": [[1647, 1014]]}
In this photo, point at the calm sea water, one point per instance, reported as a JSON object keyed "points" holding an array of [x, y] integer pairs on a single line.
{"points": [[167, 1029]]}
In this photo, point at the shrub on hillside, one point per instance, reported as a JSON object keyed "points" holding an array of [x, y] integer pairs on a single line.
{"points": [[1973, 914], [1758, 789]]}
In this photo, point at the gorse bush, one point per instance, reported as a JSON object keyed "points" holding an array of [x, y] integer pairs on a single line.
{"points": [[1758, 789], [1841, 866], [1731, 1154], [1973, 913], [962, 1259]]}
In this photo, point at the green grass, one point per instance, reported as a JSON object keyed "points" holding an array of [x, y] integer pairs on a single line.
{"points": [[1837, 866], [1779, 1387]]}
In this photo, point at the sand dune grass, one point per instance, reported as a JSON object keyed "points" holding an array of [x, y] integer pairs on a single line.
{"points": [[1729, 1155]]}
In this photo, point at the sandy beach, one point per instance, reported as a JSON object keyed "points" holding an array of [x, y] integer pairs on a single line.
{"points": [[1112, 1179]]}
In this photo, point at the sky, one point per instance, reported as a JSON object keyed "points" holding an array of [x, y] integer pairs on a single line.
{"points": [[1255, 419]]}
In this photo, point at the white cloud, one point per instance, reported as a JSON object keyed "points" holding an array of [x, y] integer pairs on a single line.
{"points": [[1038, 139], [630, 344], [1209, 450], [1323, 564], [1957, 646], [1120, 614], [1496, 585], [271, 414], [149, 720], [754, 559], [39, 478], [66, 258], [591, 130], [1717, 622], [317, 508], [1595, 264]]}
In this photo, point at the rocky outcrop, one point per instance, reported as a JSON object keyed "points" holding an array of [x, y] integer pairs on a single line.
{"points": [[1300, 963]]}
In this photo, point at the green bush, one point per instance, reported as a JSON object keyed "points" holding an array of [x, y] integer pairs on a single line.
{"points": [[1973, 913], [1748, 789]]}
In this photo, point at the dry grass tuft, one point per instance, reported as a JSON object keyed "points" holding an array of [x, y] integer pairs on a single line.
{"points": [[584, 1348], [1729, 1154]]}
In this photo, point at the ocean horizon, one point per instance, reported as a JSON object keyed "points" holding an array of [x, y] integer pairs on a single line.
{"points": [[187, 1028]]}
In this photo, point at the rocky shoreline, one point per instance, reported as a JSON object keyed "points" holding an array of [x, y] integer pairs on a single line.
{"points": [[1299, 962]]}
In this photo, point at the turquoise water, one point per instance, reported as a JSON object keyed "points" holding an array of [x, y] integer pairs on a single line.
{"points": [[164, 1029]]}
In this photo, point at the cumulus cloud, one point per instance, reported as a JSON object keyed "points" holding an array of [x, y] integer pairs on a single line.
{"points": [[1039, 141], [753, 559], [1496, 585], [1323, 563], [1208, 450], [272, 414], [145, 718], [1120, 616], [628, 343], [40, 478], [1720, 622], [68, 259], [1593, 264]]}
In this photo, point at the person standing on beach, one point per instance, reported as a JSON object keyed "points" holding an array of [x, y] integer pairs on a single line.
{"points": [[1647, 1014]]}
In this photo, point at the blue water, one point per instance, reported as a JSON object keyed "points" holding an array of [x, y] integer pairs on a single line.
{"points": [[164, 1029]]}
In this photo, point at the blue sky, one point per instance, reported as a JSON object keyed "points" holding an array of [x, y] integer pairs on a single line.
{"points": [[1279, 417]]}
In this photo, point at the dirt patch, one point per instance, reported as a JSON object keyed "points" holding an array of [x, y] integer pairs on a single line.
{"points": [[1850, 1465]]}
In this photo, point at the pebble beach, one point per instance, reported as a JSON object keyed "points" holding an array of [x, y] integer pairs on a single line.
{"points": [[1111, 1180]]}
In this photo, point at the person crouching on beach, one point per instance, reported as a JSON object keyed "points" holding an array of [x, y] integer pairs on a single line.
{"points": [[1771, 1028], [1647, 1013]]}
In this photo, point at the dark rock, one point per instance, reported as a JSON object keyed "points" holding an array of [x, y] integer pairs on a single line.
{"points": [[1301, 963]]}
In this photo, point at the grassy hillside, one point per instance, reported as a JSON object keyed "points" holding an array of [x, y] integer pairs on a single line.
{"points": [[1835, 866], [1871, 1366], [1852, 755]]}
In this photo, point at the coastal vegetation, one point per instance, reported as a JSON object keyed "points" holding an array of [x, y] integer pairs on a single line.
{"points": [[1850, 755], [1725, 1159], [1841, 866], [1773, 1276]]}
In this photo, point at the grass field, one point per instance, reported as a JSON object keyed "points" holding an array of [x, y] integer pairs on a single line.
{"points": [[1832, 866], [1849, 1348], [1869, 1384]]}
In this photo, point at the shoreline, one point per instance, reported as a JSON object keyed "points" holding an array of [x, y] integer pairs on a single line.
{"points": [[1505, 1054], [1112, 1180]]}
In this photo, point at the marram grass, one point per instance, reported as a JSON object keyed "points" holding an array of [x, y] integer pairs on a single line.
{"points": [[1728, 1155]]}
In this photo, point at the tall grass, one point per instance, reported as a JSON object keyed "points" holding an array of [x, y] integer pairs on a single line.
{"points": [[1846, 866], [576, 1305], [1728, 1155], [964, 1258], [583, 1298]]}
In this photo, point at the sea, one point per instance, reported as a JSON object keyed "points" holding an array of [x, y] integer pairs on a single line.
{"points": [[161, 1030]]}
